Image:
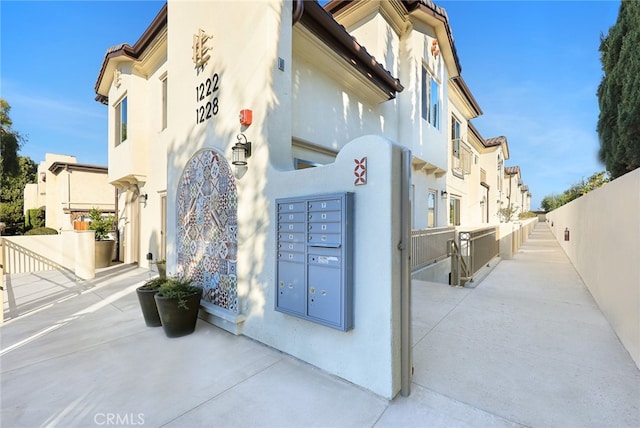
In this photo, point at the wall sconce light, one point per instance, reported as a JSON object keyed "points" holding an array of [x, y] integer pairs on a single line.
{"points": [[241, 151], [444, 195], [143, 198]]}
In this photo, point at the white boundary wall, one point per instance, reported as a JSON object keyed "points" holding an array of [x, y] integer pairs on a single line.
{"points": [[604, 247]]}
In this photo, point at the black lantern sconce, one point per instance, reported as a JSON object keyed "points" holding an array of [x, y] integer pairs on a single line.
{"points": [[444, 195], [143, 198], [241, 151], [566, 233]]}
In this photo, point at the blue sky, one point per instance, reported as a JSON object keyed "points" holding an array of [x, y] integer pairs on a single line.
{"points": [[533, 67]]}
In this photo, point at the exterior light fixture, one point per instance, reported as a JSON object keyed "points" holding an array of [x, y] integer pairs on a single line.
{"points": [[241, 151], [444, 194], [143, 198]]}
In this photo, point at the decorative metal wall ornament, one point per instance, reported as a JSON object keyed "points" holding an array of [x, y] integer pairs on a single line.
{"points": [[207, 232], [117, 78], [360, 171], [434, 48], [200, 48]]}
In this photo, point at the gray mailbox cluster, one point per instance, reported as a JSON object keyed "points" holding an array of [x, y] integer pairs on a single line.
{"points": [[315, 259]]}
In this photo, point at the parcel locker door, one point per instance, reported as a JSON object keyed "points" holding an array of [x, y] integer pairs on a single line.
{"points": [[324, 294], [290, 287]]}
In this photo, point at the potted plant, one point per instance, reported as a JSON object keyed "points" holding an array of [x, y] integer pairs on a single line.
{"points": [[104, 244], [162, 268], [146, 293], [178, 302]]}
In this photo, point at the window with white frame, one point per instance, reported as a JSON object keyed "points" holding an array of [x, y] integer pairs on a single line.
{"points": [[454, 211], [164, 102], [121, 121], [431, 208], [430, 98]]}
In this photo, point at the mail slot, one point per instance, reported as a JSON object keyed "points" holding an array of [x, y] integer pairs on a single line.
{"points": [[293, 237], [314, 275], [324, 216], [325, 239], [298, 206], [323, 260], [325, 205], [324, 227], [291, 227], [292, 217]]}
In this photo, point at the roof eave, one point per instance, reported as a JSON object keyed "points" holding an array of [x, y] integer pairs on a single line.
{"points": [[158, 24], [321, 23]]}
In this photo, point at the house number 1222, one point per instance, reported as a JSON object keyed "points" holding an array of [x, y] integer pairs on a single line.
{"points": [[205, 96]]}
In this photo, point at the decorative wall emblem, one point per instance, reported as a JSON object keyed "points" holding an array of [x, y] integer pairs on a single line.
{"points": [[434, 48], [117, 78], [207, 233], [360, 171], [200, 48]]}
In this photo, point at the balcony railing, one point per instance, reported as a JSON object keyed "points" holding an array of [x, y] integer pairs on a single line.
{"points": [[461, 157]]}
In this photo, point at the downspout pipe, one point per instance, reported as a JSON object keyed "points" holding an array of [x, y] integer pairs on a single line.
{"points": [[298, 11], [406, 360]]}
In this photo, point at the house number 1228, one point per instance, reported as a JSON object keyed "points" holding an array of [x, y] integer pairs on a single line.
{"points": [[205, 96]]}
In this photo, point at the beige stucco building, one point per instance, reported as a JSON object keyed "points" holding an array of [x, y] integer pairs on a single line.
{"points": [[222, 111], [67, 190]]}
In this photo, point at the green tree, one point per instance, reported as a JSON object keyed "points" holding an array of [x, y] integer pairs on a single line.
{"points": [[553, 201], [12, 195], [10, 142], [619, 92]]}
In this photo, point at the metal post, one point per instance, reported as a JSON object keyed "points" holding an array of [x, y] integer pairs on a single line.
{"points": [[405, 275]]}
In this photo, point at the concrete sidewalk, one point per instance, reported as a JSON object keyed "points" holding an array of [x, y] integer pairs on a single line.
{"points": [[526, 347]]}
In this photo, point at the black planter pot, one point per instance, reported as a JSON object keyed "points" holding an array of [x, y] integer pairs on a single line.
{"points": [[177, 321], [148, 306]]}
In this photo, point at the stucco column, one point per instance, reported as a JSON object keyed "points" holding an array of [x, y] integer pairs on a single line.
{"points": [[85, 246]]}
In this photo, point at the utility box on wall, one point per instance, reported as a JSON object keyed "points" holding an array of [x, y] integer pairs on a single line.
{"points": [[314, 275]]}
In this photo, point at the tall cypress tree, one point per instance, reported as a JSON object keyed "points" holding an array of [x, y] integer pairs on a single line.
{"points": [[619, 92]]}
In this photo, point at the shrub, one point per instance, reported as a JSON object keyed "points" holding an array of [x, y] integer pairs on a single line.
{"points": [[42, 231], [178, 288], [102, 225]]}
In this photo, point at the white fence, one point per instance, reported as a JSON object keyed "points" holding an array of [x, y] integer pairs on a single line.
{"points": [[604, 246]]}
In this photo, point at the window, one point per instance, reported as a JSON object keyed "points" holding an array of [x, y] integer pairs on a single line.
{"points": [[164, 103], [304, 164], [431, 209], [121, 121], [425, 94], [430, 98], [454, 212], [435, 104], [455, 137], [499, 181]]}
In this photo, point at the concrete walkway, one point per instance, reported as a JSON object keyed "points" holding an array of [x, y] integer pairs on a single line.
{"points": [[526, 347]]}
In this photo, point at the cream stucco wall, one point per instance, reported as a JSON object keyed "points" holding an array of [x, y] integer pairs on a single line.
{"points": [[249, 78], [604, 247]]}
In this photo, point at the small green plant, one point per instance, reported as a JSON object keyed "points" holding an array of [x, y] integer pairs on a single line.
{"points": [[161, 262], [102, 225], [178, 287], [42, 231], [527, 214], [153, 284]]}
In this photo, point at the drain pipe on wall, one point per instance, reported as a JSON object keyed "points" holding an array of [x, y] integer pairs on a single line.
{"points": [[406, 360]]}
